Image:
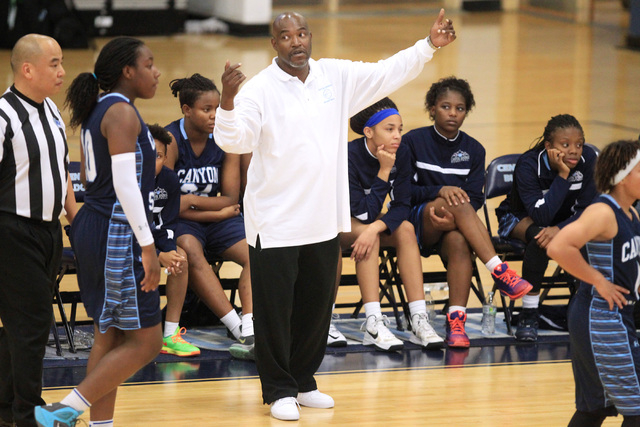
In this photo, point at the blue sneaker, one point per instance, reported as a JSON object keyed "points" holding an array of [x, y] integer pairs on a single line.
{"points": [[56, 415]]}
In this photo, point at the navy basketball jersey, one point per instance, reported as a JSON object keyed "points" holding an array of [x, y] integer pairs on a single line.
{"points": [[197, 174], [100, 194], [166, 210], [619, 258]]}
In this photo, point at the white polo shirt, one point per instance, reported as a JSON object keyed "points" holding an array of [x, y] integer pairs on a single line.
{"points": [[297, 184]]}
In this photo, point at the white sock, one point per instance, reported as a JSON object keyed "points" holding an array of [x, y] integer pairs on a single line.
{"points": [[76, 401], [454, 308], [106, 423], [232, 321], [530, 301], [493, 263], [247, 325], [417, 307], [372, 308], [170, 328]]}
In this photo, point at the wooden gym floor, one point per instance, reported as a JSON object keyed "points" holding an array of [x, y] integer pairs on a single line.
{"points": [[523, 67]]}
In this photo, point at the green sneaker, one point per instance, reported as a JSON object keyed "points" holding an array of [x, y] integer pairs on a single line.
{"points": [[175, 344], [243, 349]]}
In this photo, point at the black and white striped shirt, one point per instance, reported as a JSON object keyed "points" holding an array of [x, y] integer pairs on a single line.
{"points": [[34, 157]]}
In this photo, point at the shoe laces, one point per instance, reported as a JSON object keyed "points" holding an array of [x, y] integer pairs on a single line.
{"points": [[456, 325], [177, 337], [380, 324], [333, 330], [509, 277], [421, 325]]}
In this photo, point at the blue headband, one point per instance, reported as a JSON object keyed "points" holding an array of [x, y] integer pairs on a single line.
{"points": [[380, 116]]}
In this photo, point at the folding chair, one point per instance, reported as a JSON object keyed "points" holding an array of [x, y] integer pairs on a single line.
{"points": [[68, 266], [228, 284], [440, 276], [389, 277], [389, 263], [498, 182]]}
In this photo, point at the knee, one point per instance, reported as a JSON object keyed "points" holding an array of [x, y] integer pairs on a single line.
{"points": [[238, 253], [457, 243], [462, 210], [405, 232], [189, 245], [406, 228], [533, 249], [531, 232], [192, 251]]}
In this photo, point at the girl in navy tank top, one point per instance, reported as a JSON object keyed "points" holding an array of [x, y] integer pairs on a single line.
{"points": [[210, 223], [118, 269], [602, 250]]}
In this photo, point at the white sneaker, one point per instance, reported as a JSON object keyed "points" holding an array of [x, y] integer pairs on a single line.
{"points": [[335, 337], [285, 409], [315, 399], [376, 333], [423, 333]]}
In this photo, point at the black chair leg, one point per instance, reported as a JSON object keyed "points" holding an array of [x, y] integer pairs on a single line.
{"points": [[65, 321], [56, 336], [388, 294], [506, 306]]}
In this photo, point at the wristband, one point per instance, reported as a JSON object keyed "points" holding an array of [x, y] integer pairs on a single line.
{"points": [[431, 45]]}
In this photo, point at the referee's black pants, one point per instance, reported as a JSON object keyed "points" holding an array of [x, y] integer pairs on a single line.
{"points": [[292, 290], [30, 253]]}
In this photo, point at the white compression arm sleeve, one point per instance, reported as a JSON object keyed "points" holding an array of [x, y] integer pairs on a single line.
{"points": [[125, 183]]}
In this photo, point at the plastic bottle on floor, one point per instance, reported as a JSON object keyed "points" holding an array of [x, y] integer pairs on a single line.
{"points": [[431, 307], [489, 316]]}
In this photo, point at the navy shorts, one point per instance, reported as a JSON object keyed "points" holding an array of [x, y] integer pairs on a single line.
{"points": [[215, 237], [415, 218], [109, 271], [605, 355]]}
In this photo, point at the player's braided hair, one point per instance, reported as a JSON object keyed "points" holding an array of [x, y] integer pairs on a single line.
{"points": [[82, 95], [358, 121], [561, 121], [189, 89]]}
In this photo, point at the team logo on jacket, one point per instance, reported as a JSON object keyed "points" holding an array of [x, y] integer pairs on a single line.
{"points": [[160, 194], [576, 177], [460, 156]]}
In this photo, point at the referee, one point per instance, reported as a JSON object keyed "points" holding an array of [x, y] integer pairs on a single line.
{"points": [[34, 183]]}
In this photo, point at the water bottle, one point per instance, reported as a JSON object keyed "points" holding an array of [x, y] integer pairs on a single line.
{"points": [[431, 307], [489, 316]]}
